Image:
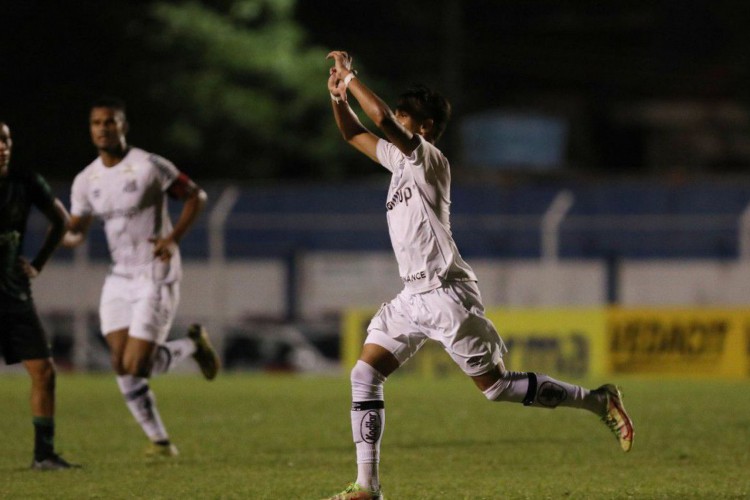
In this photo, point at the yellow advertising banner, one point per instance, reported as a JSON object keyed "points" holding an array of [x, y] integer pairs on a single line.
{"points": [[560, 342], [679, 341]]}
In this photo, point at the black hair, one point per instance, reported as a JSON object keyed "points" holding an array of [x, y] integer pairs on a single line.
{"points": [[110, 102], [423, 103]]}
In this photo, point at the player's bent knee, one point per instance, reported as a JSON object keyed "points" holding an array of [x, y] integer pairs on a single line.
{"points": [[496, 391], [367, 382], [137, 367], [43, 375]]}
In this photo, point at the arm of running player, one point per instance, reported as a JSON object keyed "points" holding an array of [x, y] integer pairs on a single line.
{"points": [[194, 198], [58, 219], [373, 106], [349, 125]]}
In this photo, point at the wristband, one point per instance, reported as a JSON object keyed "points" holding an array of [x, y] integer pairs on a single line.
{"points": [[348, 78], [334, 98]]}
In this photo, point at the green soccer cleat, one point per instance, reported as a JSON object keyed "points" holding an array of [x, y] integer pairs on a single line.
{"points": [[157, 450], [53, 462], [616, 418], [357, 492], [204, 355]]}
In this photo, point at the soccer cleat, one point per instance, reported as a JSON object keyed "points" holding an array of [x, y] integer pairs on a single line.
{"points": [[357, 492], [204, 355], [53, 462], [156, 450], [616, 417]]}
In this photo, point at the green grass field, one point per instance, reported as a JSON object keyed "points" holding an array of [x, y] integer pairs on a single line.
{"points": [[280, 436]]}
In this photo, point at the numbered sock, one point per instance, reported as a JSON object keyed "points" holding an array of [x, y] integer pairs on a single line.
{"points": [[536, 389], [142, 404], [171, 354], [368, 422]]}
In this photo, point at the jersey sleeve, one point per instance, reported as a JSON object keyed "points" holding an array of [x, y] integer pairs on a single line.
{"points": [[430, 161], [166, 172], [387, 154], [41, 193], [79, 203]]}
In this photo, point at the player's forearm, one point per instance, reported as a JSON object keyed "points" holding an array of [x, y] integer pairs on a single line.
{"points": [[190, 211], [373, 106], [347, 121], [58, 224]]}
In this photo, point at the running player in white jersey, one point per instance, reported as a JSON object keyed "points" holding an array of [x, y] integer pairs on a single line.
{"points": [[127, 188], [440, 300]]}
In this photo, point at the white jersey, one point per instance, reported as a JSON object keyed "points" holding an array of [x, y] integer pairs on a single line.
{"points": [[418, 209], [130, 198]]}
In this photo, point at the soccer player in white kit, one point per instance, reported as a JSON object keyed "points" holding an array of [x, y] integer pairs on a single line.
{"points": [[440, 300], [127, 188]]}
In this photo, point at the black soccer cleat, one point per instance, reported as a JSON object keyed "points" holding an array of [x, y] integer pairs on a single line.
{"points": [[53, 462]]}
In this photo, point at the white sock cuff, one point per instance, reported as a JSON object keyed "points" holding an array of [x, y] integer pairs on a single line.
{"points": [[130, 383], [367, 383]]}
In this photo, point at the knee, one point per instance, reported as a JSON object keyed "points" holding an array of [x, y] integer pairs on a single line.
{"points": [[136, 367], [43, 375], [367, 382]]}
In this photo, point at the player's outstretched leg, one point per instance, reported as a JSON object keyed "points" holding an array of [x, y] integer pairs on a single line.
{"points": [[204, 354], [357, 492], [616, 418]]}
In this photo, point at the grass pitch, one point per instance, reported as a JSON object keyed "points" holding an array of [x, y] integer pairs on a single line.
{"points": [[251, 436]]}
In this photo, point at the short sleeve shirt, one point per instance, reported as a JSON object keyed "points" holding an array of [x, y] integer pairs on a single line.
{"points": [[130, 198], [418, 212]]}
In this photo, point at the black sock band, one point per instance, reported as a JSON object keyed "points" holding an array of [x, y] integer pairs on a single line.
{"points": [[528, 400], [367, 405]]}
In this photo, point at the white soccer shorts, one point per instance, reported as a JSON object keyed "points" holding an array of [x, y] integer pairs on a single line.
{"points": [[452, 315], [147, 309]]}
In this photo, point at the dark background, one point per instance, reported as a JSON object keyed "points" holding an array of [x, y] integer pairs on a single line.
{"points": [[646, 87]]}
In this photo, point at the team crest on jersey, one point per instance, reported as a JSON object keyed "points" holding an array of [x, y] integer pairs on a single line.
{"points": [[130, 186]]}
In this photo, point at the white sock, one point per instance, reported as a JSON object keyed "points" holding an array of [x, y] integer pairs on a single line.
{"points": [[368, 422], [536, 389], [142, 404], [171, 354]]}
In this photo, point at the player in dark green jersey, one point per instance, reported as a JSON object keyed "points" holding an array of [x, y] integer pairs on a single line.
{"points": [[22, 338]]}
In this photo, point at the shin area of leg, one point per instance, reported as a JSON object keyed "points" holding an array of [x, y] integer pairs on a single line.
{"points": [[536, 389]]}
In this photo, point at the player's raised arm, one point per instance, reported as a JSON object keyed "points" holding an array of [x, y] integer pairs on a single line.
{"points": [[373, 106], [347, 121]]}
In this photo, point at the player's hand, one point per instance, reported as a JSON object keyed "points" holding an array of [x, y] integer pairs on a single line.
{"points": [[164, 248], [343, 62], [336, 86], [29, 270], [71, 239], [342, 67]]}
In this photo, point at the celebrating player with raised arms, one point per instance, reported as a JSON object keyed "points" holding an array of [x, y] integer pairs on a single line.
{"points": [[127, 188], [440, 300]]}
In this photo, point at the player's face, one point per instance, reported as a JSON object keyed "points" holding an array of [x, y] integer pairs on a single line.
{"points": [[108, 128], [407, 121], [6, 144]]}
